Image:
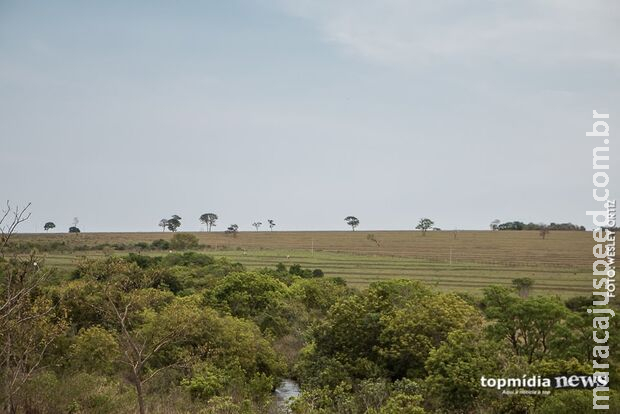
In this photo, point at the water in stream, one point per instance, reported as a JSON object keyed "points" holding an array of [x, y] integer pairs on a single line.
{"points": [[286, 390]]}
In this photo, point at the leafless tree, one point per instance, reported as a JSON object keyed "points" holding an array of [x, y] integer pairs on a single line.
{"points": [[138, 349], [28, 321], [10, 219]]}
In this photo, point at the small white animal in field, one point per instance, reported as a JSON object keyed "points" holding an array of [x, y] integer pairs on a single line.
{"points": [[288, 256]]}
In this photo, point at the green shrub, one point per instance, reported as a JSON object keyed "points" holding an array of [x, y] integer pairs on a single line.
{"points": [[160, 244], [184, 241]]}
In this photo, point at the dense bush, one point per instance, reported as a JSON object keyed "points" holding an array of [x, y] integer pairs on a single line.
{"points": [[183, 241]]}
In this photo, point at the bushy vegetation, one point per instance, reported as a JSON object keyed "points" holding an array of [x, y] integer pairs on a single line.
{"points": [[187, 332], [178, 242]]}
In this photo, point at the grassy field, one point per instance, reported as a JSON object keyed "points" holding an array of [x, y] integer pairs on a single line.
{"points": [[464, 261]]}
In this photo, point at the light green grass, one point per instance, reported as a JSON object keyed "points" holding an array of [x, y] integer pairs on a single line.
{"points": [[361, 270]]}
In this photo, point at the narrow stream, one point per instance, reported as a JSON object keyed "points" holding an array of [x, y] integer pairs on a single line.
{"points": [[286, 390]]}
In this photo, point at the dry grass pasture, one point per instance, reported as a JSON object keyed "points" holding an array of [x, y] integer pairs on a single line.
{"points": [[459, 261]]}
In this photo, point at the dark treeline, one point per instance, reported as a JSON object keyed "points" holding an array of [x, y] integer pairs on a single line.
{"points": [[518, 225]]}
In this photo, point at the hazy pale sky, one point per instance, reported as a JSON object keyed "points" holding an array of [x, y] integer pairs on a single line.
{"points": [[305, 111]]}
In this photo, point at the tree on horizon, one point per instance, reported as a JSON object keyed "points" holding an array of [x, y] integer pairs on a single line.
{"points": [[209, 220], [424, 225], [173, 223], [352, 221]]}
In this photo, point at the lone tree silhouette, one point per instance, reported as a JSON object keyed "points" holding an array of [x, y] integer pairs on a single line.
{"points": [[352, 221], [209, 219], [49, 225], [272, 224], [424, 224]]}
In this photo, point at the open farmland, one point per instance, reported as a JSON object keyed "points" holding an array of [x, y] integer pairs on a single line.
{"points": [[464, 260]]}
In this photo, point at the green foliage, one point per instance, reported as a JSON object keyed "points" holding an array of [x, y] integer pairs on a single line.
{"points": [[455, 368], [574, 401], [187, 259], [413, 331], [424, 224], [95, 350], [173, 223], [209, 219], [352, 221], [143, 261], [523, 285], [160, 244], [206, 382], [319, 294], [253, 295], [184, 241], [529, 325], [78, 393]]}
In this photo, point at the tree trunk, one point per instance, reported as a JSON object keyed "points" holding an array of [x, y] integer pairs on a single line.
{"points": [[140, 395]]}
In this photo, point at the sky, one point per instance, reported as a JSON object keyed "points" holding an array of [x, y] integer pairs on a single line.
{"points": [[305, 111]]}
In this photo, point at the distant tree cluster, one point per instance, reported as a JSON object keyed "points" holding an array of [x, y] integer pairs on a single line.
{"points": [[518, 225], [210, 220], [172, 224], [50, 225]]}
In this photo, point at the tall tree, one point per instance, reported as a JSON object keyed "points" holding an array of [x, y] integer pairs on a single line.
{"points": [[424, 225], [144, 335], [163, 223], [209, 220], [272, 224], [49, 225], [352, 221], [257, 224]]}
